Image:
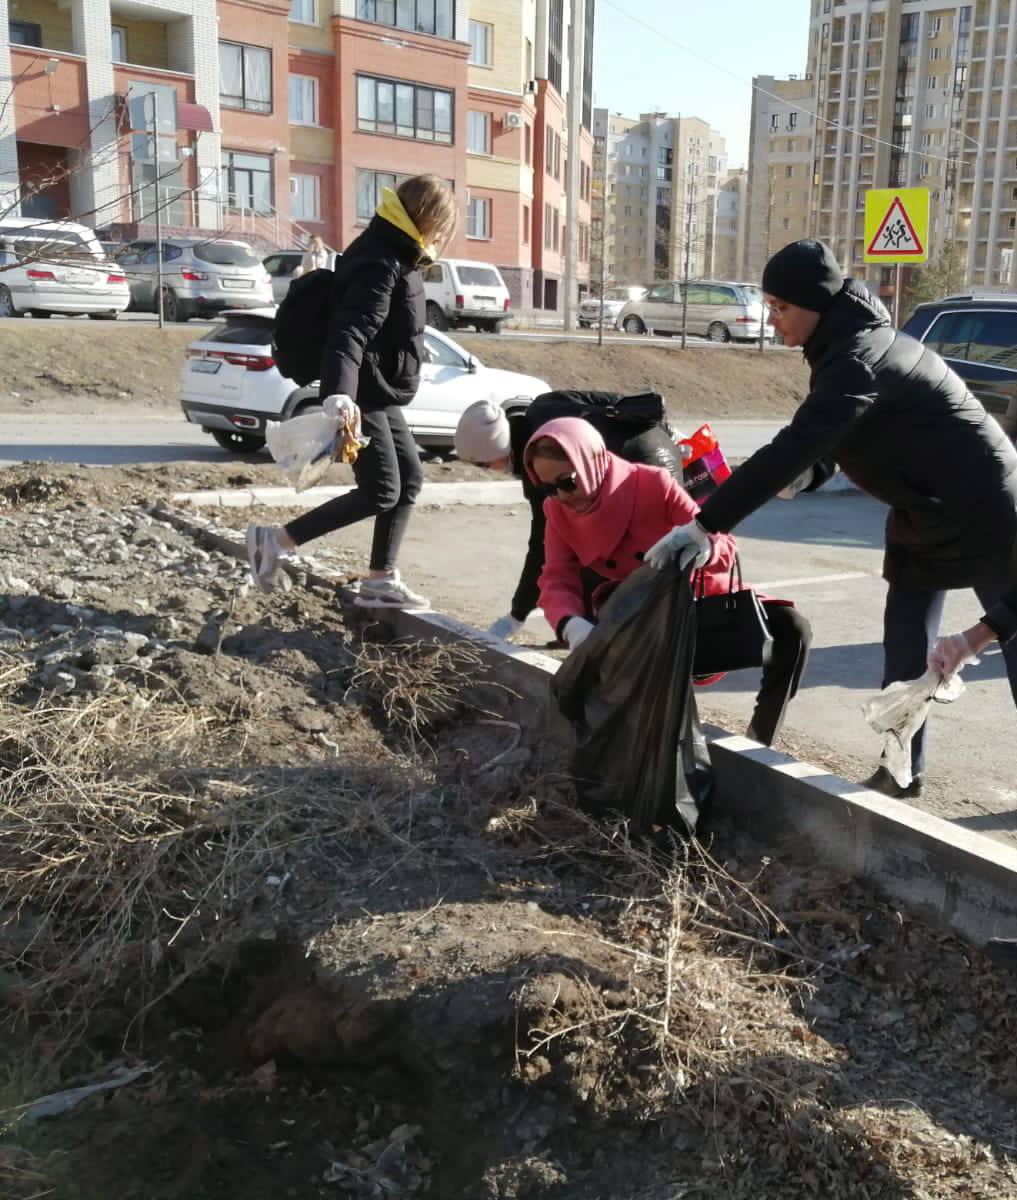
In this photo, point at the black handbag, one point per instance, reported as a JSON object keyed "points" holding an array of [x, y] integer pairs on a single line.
{"points": [[732, 631]]}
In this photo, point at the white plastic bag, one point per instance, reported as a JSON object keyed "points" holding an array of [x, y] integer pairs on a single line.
{"points": [[304, 447], [900, 710]]}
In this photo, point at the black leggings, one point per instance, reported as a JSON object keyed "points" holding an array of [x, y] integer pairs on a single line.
{"points": [[389, 478], [792, 637]]}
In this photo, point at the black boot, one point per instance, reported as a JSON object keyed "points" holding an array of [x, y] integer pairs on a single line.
{"points": [[883, 781]]}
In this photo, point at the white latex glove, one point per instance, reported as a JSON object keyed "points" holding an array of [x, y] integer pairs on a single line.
{"points": [[505, 627], [686, 543], [951, 654], [797, 485], [576, 631], [339, 408]]}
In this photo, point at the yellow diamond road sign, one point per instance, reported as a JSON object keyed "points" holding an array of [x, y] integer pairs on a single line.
{"points": [[897, 225]]}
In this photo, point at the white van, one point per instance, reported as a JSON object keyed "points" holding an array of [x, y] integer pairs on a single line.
{"points": [[51, 267], [460, 292]]}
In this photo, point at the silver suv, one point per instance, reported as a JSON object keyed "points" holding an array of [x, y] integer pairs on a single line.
{"points": [[720, 310], [199, 276]]}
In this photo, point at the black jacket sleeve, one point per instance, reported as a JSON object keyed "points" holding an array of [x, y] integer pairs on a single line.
{"points": [[528, 588], [842, 390], [358, 312], [1002, 617]]}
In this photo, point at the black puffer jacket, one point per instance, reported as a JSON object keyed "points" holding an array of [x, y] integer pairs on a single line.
{"points": [[637, 440], [904, 428], [375, 342]]}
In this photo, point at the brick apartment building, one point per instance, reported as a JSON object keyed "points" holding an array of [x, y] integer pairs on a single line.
{"points": [[281, 118]]}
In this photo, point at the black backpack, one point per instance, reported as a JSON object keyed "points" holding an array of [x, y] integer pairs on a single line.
{"points": [[301, 326]]}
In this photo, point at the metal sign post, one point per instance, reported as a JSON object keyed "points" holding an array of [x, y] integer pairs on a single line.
{"points": [[158, 209]]}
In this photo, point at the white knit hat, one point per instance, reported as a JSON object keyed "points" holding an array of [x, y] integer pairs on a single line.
{"points": [[482, 435]]}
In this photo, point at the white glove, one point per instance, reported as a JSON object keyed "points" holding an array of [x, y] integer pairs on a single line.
{"points": [[951, 654], [688, 543], [798, 484], [339, 408], [576, 631], [505, 627]]}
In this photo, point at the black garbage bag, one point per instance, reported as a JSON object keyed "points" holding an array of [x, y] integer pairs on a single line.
{"points": [[627, 691]]}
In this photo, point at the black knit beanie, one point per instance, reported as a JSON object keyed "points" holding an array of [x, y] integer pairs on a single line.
{"points": [[804, 273]]}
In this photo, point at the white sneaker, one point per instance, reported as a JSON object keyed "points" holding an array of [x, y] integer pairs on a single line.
{"points": [[389, 592], [264, 554]]}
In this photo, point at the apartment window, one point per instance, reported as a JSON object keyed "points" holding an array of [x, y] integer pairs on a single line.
{"points": [[25, 33], [934, 53], [118, 43], [303, 100], [526, 224], [248, 180], [909, 27], [478, 132], [406, 110], [481, 44], [929, 112], [245, 77], [370, 185], [790, 145], [304, 12], [528, 144], [926, 140], [792, 120], [789, 172], [787, 222], [925, 170], [931, 83], [478, 218], [305, 197], [787, 197], [935, 26], [422, 16], [552, 154]]}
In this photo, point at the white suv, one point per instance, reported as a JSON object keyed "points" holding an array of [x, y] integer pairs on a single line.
{"points": [[51, 267], [230, 385], [466, 293]]}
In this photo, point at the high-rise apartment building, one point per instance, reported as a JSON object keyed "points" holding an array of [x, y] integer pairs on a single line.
{"points": [[918, 93], [779, 187], [731, 228], [281, 118], [661, 176]]}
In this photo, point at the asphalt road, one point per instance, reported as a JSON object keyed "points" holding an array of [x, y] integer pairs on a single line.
{"points": [[118, 439]]}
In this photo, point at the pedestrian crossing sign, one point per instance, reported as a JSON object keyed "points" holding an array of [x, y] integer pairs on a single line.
{"points": [[896, 225]]}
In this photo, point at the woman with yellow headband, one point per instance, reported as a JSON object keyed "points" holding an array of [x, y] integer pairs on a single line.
{"points": [[371, 362]]}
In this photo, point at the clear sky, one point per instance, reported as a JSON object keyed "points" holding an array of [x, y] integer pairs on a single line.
{"points": [[637, 69]]}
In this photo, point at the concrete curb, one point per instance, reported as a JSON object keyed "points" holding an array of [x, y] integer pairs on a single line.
{"points": [[958, 880], [433, 495]]}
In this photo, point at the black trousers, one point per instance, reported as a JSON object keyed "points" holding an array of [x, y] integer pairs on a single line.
{"points": [[911, 622], [792, 637], [389, 478]]}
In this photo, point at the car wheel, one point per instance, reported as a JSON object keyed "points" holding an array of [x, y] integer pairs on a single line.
{"points": [[7, 308], [718, 332], [40, 314], [633, 325], [239, 443], [436, 317], [172, 309], [110, 316]]}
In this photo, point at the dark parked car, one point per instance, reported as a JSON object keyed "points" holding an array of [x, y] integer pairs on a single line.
{"points": [[977, 335]]}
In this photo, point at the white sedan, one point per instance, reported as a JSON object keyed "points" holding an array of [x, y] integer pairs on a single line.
{"points": [[230, 385]]}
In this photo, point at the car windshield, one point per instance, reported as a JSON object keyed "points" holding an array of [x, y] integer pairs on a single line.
{"points": [[479, 276], [226, 254]]}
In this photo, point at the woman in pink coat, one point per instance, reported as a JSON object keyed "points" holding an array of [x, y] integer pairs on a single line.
{"points": [[603, 514]]}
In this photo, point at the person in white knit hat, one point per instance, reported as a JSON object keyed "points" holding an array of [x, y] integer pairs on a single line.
{"points": [[632, 426]]}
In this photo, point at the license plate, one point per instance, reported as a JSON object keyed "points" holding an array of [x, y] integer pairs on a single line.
{"points": [[205, 366], [239, 285], [484, 301], [80, 277]]}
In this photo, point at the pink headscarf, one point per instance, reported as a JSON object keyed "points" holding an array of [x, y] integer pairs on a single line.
{"points": [[584, 448], [609, 481]]}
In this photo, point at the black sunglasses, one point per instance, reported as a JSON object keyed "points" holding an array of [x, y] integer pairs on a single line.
{"points": [[564, 483]]}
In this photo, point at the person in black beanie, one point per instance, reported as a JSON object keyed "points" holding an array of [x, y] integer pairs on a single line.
{"points": [[904, 428]]}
